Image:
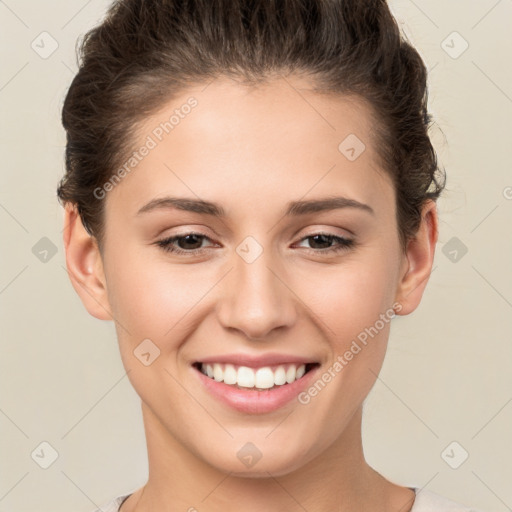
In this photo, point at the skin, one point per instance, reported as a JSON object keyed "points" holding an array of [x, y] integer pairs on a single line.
{"points": [[252, 150]]}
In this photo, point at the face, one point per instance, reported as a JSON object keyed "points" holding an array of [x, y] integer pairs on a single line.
{"points": [[267, 270]]}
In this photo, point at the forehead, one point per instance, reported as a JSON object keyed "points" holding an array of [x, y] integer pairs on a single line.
{"points": [[279, 140]]}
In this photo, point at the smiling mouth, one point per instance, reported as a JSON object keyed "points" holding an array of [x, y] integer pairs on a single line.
{"points": [[261, 379]]}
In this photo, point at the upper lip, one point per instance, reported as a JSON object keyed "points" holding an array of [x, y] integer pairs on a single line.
{"points": [[254, 361]]}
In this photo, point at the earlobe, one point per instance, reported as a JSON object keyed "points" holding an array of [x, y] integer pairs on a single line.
{"points": [[85, 266], [420, 259]]}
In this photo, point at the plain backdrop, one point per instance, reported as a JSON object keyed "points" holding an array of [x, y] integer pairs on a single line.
{"points": [[445, 391]]}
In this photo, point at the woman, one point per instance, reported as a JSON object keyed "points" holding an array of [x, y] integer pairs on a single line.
{"points": [[251, 196]]}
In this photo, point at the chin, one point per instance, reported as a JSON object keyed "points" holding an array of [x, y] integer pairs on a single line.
{"points": [[263, 464]]}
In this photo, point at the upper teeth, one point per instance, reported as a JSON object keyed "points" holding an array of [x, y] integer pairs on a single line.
{"points": [[246, 377]]}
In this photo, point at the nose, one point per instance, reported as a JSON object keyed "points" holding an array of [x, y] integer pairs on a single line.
{"points": [[256, 299]]}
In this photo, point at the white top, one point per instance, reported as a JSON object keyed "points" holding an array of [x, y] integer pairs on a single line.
{"points": [[425, 501]]}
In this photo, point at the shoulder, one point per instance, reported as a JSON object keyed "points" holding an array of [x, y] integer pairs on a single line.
{"points": [[113, 505], [425, 501], [428, 501]]}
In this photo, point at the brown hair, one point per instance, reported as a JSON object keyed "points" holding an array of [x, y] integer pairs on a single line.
{"points": [[146, 51]]}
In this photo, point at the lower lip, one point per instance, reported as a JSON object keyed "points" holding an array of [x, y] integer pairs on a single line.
{"points": [[252, 401]]}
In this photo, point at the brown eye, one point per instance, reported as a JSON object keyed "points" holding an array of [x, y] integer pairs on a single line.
{"points": [[187, 244], [321, 243]]}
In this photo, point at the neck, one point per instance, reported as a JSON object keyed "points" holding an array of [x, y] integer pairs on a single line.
{"points": [[338, 479]]}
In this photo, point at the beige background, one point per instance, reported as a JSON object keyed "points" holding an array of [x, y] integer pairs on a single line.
{"points": [[447, 376]]}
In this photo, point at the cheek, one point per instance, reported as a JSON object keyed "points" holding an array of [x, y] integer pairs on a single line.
{"points": [[351, 298], [355, 308], [149, 298]]}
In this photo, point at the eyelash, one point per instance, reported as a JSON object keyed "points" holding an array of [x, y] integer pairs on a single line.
{"points": [[166, 244]]}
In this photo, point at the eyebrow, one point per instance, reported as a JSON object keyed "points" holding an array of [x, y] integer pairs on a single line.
{"points": [[293, 208]]}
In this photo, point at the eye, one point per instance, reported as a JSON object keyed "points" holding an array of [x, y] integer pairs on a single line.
{"points": [[325, 239], [185, 240], [190, 244]]}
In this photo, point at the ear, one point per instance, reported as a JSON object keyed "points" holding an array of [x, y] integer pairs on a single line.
{"points": [[85, 266], [418, 261]]}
